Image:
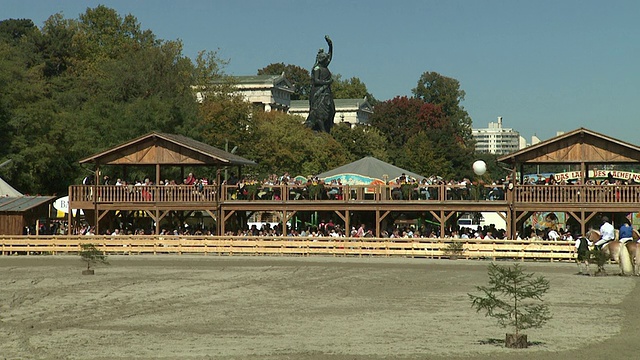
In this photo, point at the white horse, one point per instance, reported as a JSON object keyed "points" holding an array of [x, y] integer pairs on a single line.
{"points": [[616, 252]]}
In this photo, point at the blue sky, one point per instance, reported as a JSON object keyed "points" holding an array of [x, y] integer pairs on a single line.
{"points": [[544, 66]]}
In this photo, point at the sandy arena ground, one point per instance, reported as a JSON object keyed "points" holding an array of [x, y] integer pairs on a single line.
{"points": [[207, 307]]}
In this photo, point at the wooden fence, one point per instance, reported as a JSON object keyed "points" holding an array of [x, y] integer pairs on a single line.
{"points": [[290, 246]]}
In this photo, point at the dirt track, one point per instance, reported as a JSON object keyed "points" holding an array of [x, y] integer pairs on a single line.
{"points": [[205, 307]]}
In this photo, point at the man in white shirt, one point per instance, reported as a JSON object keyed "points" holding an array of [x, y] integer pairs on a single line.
{"points": [[607, 232]]}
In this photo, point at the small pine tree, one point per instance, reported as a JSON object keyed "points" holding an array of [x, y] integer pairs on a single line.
{"points": [[455, 248], [91, 255], [513, 298]]}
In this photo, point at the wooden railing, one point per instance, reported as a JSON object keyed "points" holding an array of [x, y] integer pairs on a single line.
{"points": [[133, 194], [605, 194], [281, 193], [290, 246]]}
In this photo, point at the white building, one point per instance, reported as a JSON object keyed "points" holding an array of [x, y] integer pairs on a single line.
{"points": [[534, 140], [351, 111], [267, 92], [496, 140], [273, 93]]}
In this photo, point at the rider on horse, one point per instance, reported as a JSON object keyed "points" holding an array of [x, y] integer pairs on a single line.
{"points": [[626, 232], [607, 233]]}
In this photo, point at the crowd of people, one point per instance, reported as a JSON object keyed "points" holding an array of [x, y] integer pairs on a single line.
{"points": [[313, 188], [400, 188]]}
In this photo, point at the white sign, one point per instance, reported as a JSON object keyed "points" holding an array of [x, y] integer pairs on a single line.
{"points": [[62, 205]]}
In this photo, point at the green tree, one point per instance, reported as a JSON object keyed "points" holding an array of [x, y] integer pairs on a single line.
{"points": [[360, 141], [352, 88], [103, 33], [225, 119], [13, 30], [91, 256], [420, 156], [283, 143], [78, 86], [209, 73], [514, 299]]}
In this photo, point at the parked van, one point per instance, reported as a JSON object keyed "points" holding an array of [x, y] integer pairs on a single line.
{"points": [[468, 220]]}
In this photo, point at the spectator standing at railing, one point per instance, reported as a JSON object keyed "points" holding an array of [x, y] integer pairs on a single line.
{"points": [[285, 178], [199, 185], [88, 180], [190, 180]]}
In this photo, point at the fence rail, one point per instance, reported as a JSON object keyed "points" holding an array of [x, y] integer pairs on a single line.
{"points": [[289, 246]]}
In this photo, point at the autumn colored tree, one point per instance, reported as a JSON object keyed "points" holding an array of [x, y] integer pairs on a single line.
{"points": [[437, 89], [402, 118]]}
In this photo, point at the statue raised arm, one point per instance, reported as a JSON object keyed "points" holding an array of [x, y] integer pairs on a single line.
{"points": [[330, 53], [321, 105]]}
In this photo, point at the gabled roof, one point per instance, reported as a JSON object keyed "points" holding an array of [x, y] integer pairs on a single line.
{"points": [[23, 203], [370, 167], [353, 104], [246, 82], [577, 146], [8, 190], [166, 149]]}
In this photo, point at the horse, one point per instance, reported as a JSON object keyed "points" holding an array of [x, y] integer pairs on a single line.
{"points": [[634, 252], [614, 251]]}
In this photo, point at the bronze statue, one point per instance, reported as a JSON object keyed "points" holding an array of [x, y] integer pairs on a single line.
{"points": [[321, 106]]}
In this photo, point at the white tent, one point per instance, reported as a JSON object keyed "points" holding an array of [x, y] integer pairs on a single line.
{"points": [[7, 190], [367, 170]]}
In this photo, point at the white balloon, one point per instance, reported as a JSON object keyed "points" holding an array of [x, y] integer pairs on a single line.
{"points": [[479, 167]]}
